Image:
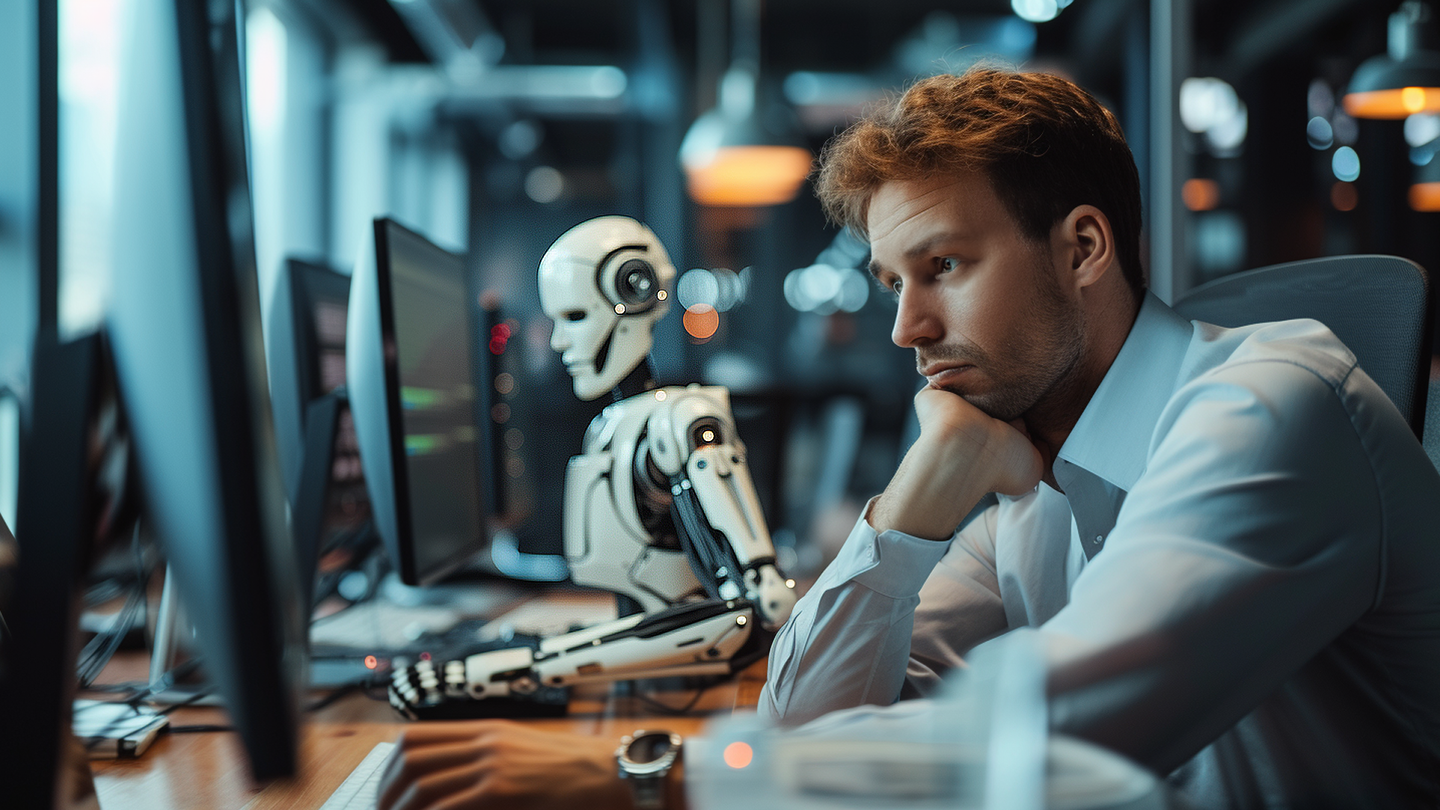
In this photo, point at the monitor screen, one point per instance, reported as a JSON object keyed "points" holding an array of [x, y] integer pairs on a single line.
{"points": [[411, 370]]}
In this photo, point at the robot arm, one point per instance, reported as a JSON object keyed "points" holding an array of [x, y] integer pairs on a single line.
{"points": [[700, 638], [694, 444]]}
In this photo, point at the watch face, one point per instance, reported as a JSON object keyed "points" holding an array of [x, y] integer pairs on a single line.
{"points": [[649, 747]]}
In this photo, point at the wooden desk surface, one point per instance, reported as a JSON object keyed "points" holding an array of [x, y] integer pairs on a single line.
{"points": [[208, 770]]}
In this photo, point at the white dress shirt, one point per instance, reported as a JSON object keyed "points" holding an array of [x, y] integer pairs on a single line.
{"points": [[1238, 587]]}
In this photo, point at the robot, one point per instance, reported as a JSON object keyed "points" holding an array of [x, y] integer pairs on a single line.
{"points": [[659, 505]]}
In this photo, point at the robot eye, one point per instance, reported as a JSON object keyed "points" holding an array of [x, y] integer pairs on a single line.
{"points": [[575, 315]]}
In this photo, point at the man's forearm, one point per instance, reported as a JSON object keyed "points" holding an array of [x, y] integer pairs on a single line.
{"points": [[848, 640]]}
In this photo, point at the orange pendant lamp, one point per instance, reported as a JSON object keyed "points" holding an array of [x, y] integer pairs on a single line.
{"points": [[1406, 79], [744, 153]]}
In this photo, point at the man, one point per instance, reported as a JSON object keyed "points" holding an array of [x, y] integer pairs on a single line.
{"points": [[1223, 540], [1231, 555]]}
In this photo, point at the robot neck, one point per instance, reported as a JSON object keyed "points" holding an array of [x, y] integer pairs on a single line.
{"points": [[638, 381]]}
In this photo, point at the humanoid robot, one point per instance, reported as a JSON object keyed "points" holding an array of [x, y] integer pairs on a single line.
{"points": [[659, 506]]}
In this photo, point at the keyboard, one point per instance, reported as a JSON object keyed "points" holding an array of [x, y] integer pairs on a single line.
{"points": [[360, 788]]}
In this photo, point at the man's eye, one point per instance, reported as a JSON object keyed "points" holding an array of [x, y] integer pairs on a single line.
{"points": [[895, 287], [949, 263]]}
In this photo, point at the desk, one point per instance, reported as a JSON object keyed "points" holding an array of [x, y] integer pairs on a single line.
{"points": [[208, 770]]}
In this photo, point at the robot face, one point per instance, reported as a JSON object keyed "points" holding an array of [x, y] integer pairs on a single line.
{"points": [[604, 282]]}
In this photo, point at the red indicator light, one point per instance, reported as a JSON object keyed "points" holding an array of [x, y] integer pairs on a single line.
{"points": [[499, 336], [371, 662]]}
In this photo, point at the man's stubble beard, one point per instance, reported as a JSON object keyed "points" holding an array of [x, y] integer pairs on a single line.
{"points": [[1043, 363]]}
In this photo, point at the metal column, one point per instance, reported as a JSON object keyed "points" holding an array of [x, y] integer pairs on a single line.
{"points": [[1170, 274]]}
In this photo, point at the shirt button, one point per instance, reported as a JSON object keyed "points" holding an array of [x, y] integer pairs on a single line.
{"points": [[1099, 538]]}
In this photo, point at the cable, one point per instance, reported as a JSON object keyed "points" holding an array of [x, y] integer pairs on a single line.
{"points": [[673, 710], [198, 696], [100, 649]]}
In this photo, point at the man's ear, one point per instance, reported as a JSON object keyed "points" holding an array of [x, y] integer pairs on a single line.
{"points": [[1088, 245]]}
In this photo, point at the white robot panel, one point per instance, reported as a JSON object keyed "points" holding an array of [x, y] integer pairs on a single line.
{"points": [[661, 504]]}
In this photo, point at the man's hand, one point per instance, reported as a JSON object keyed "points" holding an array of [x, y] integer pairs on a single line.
{"points": [[498, 764], [961, 455]]}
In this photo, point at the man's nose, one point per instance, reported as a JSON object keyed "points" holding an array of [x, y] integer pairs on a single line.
{"points": [[916, 323]]}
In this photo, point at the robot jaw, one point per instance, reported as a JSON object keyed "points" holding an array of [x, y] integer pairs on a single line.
{"points": [[599, 352]]}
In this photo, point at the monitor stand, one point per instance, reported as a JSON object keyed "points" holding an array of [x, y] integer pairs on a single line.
{"points": [[322, 424], [170, 627], [322, 420]]}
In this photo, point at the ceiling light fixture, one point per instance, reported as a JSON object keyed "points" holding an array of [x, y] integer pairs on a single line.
{"points": [[744, 153], [1406, 79]]}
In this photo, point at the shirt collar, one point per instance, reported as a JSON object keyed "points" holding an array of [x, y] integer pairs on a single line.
{"points": [[1112, 437]]}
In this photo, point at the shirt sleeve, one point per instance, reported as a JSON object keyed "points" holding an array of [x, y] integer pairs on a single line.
{"points": [[849, 643], [1250, 542]]}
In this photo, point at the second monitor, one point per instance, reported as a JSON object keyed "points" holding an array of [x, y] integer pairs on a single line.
{"points": [[411, 375]]}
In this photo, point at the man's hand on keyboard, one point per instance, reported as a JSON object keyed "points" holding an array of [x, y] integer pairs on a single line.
{"points": [[500, 764]]}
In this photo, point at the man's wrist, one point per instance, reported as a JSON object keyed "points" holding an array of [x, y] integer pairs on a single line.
{"points": [[931, 493]]}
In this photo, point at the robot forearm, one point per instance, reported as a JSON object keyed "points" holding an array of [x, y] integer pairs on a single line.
{"points": [[699, 638], [714, 504]]}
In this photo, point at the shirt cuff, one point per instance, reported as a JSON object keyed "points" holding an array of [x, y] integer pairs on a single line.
{"points": [[891, 563]]}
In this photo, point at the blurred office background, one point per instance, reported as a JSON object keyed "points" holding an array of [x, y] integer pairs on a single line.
{"points": [[492, 126]]}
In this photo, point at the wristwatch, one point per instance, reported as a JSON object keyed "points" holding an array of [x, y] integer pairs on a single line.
{"points": [[645, 759]]}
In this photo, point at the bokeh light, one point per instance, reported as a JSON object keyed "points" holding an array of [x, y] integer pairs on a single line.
{"points": [[1344, 196], [1345, 164], [1200, 194], [739, 755], [1319, 134], [701, 322]]}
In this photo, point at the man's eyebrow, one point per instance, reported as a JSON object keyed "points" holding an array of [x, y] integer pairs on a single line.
{"points": [[875, 269], [929, 245]]}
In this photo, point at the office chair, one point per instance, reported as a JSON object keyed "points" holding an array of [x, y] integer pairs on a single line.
{"points": [[1379, 306]]}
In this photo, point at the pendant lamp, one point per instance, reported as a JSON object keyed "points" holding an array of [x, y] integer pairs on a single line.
{"points": [[744, 152], [1406, 79]]}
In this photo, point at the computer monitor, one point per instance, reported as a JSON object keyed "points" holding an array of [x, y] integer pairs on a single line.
{"points": [[411, 371], [184, 322], [306, 353], [183, 327]]}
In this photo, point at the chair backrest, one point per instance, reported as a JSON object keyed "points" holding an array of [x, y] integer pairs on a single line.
{"points": [[1379, 306]]}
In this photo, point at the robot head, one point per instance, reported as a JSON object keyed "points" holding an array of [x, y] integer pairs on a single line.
{"points": [[605, 282]]}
